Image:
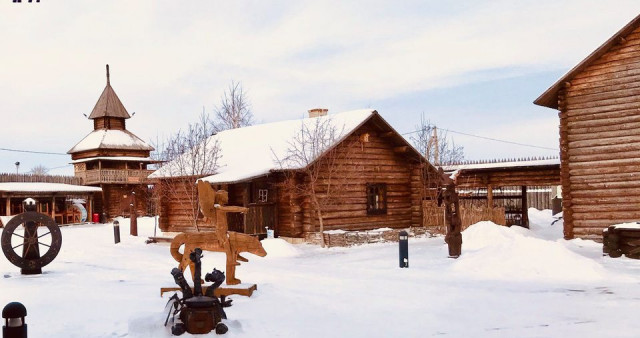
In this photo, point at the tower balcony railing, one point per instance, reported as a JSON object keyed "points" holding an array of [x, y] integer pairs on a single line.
{"points": [[114, 176]]}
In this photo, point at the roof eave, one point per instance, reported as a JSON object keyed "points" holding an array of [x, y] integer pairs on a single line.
{"points": [[550, 97]]}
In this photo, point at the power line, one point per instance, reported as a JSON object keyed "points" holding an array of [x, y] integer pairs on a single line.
{"points": [[488, 138], [62, 166], [32, 151]]}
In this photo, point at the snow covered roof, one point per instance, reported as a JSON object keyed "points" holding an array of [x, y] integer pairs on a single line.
{"points": [[513, 164], [454, 170], [45, 187], [116, 158], [253, 151], [110, 139]]}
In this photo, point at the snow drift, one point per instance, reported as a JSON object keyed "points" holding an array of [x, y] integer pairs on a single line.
{"points": [[491, 251]]}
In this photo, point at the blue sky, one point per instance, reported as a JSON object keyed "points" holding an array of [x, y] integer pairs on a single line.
{"points": [[469, 66]]}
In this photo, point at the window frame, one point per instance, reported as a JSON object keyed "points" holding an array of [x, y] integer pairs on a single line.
{"points": [[373, 190]]}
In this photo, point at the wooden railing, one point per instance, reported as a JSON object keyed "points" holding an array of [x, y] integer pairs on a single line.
{"points": [[114, 176]]}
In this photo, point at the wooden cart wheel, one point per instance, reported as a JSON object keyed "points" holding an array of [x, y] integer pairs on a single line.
{"points": [[31, 241]]}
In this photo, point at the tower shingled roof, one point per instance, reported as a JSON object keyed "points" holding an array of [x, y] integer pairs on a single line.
{"points": [[109, 105]]}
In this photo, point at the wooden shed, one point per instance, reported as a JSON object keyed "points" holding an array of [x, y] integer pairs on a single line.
{"points": [[113, 158], [382, 187], [599, 109], [507, 185], [61, 197]]}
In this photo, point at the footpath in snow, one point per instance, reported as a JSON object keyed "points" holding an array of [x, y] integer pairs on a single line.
{"points": [[509, 282]]}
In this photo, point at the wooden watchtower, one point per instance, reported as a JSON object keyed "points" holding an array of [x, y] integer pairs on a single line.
{"points": [[113, 158]]}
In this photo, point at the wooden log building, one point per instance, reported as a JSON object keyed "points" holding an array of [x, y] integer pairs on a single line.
{"points": [[113, 158], [505, 184], [599, 108], [382, 179], [57, 196]]}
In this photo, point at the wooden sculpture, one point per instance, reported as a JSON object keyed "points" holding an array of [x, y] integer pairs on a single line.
{"points": [[212, 204], [449, 197]]}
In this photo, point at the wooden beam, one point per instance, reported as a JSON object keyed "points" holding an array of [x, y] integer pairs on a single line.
{"points": [[387, 134], [245, 203], [90, 209], [525, 209], [402, 149]]}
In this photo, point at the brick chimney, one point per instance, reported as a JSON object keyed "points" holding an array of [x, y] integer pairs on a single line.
{"points": [[317, 112]]}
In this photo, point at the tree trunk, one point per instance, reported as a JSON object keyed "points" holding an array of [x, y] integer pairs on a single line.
{"points": [[317, 205]]}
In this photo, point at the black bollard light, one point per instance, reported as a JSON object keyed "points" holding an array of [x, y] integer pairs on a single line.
{"points": [[116, 231], [403, 244], [14, 325]]}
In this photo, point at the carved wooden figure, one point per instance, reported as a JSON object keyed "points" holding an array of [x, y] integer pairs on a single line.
{"points": [[212, 204], [449, 196]]}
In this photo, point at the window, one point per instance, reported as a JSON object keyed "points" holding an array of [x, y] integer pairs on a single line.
{"points": [[376, 198], [263, 195]]}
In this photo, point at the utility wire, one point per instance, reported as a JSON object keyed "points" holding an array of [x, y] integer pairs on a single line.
{"points": [[32, 151], [486, 138]]}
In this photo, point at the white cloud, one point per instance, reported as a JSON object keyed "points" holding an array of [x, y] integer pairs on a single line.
{"points": [[170, 58]]}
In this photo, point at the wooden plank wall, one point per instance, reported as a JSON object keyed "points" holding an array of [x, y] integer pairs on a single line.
{"points": [[600, 145]]}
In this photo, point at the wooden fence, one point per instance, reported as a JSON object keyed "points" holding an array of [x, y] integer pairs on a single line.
{"points": [[5, 177], [433, 216]]}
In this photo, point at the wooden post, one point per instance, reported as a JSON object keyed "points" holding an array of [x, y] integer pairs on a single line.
{"points": [[8, 207], [525, 209], [53, 207], [90, 208], [133, 221], [245, 204], [490, 196]]}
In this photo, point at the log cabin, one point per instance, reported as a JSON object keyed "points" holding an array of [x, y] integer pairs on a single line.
{"points": [[599, 108], [378, 178], [113, 158]]}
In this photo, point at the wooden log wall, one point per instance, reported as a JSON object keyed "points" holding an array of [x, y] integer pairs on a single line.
{"points": [[175, 207], [373, 161], [599, 142], [113, 202], [534, 176], [109, 123]]}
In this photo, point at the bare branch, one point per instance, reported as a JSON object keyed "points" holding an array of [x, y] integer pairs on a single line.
{"points": [[187, 155], [235, 110], [314, 167]]}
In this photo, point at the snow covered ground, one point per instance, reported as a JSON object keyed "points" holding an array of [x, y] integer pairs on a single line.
{"points": [[509, 282]]}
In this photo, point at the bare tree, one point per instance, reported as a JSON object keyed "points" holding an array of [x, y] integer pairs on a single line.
{"points": [[235, 110], [315, 167], [435, 145], [437, 149], [186, 156], [39, 170]]}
